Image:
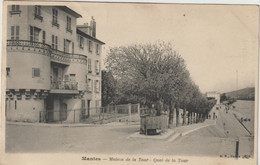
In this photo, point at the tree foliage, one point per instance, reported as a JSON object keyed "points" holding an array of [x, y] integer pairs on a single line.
{"points": [[108, 89], [155, 74]]}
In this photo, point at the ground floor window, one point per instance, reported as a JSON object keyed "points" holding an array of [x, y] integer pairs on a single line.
{"points": [[35, 72], [15, 104]]}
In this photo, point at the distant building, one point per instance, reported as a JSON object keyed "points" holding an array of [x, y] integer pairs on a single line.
{"points": [[214, 95], [53, 66]]}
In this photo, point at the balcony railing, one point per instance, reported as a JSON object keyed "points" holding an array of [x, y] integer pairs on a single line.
{"points": [[28, 45], [65, 85], [56, 55], [60, 56]]}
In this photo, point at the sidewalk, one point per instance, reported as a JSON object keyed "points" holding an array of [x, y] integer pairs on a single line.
{"points": [[70, 124], [174, 133]]}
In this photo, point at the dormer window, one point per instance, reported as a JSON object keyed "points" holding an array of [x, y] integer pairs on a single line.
{"points": [[15, 9], [37, 13]]}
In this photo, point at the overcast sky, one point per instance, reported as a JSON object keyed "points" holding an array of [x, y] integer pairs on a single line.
{"points": [[215, 40]]}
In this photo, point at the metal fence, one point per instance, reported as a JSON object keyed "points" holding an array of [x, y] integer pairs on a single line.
{"points": [[113, 113], [109, 113]]}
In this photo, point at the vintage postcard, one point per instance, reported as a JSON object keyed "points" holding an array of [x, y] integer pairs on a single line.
{"points": [[129, 83]]}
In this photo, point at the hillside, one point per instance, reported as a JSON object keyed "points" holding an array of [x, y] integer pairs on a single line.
{"points": [[242, 94]]}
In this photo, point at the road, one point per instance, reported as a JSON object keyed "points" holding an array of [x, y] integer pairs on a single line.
{"points": [[220, 139], [216, 140]]}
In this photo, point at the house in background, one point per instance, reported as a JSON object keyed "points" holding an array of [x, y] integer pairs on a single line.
{"points": [[53, 66], [214, 95]]}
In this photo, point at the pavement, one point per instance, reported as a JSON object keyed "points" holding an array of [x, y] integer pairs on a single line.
{"points": [[174, 133], [209, 138], [169, 135], [69, 124]]}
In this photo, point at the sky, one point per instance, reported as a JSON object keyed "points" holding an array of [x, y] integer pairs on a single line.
{"points": [[219, 43]]}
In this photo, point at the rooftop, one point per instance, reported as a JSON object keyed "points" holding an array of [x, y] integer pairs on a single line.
{"points": [[70, 11], [88, 36]]}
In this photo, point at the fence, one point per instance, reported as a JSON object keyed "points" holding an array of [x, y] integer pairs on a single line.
{"points": [[113, 113], [110, 113]]}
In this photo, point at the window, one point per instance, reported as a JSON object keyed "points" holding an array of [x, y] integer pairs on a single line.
{"points": [[97, 103], [55, 17], [89, 85], [37, 10], [72, 77], [7, 71], [34, 33], [97, 66], [66, 45], [96, 86], [35, 72], [72, 45], [37, 13], [54, 42], [66, 77], [90, 46], [86, 79], [69, 24], [43, 37], [15, 32], [89, 66], [97, 49], [15, 9], [81, 42]]}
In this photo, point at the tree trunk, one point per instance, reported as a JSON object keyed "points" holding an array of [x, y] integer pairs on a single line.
{"points": [[188, 117], [184, 116], [177, 116], [171, 111]]}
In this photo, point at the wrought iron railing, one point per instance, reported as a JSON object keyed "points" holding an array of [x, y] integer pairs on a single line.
{"points": [[68, 85], [55, 55]]}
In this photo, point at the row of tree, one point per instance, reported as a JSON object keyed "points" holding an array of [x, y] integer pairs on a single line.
{"points": [[154, 75]]}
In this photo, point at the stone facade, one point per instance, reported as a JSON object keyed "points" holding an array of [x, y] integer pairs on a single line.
{"points": [[49, 75]]}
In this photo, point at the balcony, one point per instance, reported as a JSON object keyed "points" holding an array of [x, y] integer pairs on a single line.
{"points": [[37, 16], [64, 87], [29, 46], [38, 47], [14, 12], [60, 57]]}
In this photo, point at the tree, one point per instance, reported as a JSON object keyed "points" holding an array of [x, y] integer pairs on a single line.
{"points": [[108, 88], [155, 74]]}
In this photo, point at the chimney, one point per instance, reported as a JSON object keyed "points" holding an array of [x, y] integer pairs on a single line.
{"points": [[93, 27]]}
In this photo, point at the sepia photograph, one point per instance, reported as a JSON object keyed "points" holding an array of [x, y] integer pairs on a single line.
{"points": [[110, 82]]}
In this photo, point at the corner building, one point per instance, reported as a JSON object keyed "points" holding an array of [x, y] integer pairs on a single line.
{"points": [[53, 70]]}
